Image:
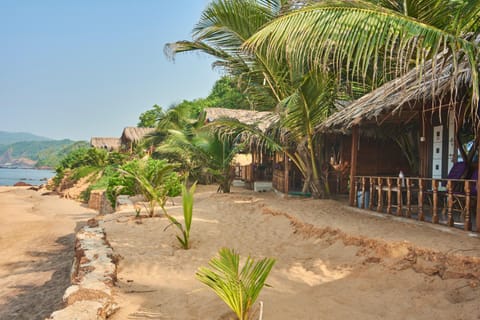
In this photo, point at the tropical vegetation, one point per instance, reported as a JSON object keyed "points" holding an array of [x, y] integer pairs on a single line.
{"points": [[238, 288]]}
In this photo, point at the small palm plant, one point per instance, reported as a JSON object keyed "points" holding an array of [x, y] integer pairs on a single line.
{"points": [[187, 202], [238, 289]]}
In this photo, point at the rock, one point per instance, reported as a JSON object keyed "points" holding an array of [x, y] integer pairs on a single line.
{"points": [[22, 184]]}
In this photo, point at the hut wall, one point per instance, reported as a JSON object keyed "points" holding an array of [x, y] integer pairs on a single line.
{"points": [[375, 158]]}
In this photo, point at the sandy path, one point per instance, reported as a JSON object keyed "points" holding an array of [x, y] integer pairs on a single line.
{"points": [[36, 245], [370, 268]]}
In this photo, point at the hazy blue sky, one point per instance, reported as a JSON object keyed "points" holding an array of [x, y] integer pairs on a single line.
{"points": [[76, 69]]}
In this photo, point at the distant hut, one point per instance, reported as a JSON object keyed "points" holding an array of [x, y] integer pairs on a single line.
{"points": [[106, 143], [262, 118], [256, 168], [131, 136]]}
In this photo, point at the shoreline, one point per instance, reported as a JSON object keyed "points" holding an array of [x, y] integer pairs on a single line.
{"points": [[37, 235]]}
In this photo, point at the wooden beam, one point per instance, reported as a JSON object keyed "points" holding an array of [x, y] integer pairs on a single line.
{"points": [[353, 164]]}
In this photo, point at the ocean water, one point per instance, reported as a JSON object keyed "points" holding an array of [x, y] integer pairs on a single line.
{"points": [[8, 177]]}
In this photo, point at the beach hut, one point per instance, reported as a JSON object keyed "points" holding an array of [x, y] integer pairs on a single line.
{"points": [[430, 119], [131, 136], [106, 143], [256, 167]]}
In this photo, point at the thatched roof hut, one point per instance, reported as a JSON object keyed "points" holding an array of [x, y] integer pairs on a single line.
{"points": [[135, 134], [435, 86], [106, 143], [131, 136], [262, 118]]}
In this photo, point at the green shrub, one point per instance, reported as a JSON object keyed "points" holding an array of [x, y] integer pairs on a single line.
{"points": [[154, 179]]}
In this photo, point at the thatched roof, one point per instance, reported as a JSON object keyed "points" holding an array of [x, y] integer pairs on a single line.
{"points": [[134, 134], [105, 143], [403, 97], [242, 159], [262, 118]]}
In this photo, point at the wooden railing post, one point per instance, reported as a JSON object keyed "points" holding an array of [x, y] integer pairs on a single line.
{"points": [[409, 199], [363, 193], [435, 201], [449, 203], [380, 194], [353, 164], [399, 197], [370, 202], [389, 195], [421, 216], [467, 222]]}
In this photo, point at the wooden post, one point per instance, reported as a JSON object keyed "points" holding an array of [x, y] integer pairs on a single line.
{"points": [[252, 169], [380, 195], [363, 194], [389, 195], [421, 216], [409, 199], [449, 203], [467, 224], [399, 197], [285, 172], [353, 164], [435, 201], [370, 203]]}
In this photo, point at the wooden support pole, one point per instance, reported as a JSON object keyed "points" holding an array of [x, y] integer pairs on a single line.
{"points": [[435, 201], [389, 195], [285, 177], [353, 164], [370, 203], [409, 199], [467, 224], [399, 197], [380, 195], [421, 216], [449, 203]]}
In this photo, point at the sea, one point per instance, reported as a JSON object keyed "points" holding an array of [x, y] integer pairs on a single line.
{"points": [[8, 177]]}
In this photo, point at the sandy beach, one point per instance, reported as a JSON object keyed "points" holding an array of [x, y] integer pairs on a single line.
{"points": [[37, 236], [333, 261]]}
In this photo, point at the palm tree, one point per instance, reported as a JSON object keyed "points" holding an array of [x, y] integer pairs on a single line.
{"points": [[302, 98], [376, 40], [206, 154], [221, 31]]}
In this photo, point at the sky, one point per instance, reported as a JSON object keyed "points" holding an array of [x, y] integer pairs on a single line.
{"points": [[78, 69]]}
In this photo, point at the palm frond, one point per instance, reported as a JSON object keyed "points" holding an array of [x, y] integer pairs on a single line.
{"points": [[355, 37]]}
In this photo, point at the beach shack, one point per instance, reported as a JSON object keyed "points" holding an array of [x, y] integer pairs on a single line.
{"points": [[255, 167], [412, 148], [131, 137], [106, 143]]}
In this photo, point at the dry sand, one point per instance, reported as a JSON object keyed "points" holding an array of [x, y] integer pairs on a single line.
{"points": [[37, 235], [333, 261]]}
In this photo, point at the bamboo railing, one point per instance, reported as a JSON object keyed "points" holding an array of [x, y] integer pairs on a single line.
{"points": [[439, 201]]}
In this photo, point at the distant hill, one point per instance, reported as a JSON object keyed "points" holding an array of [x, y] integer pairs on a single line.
{"points": [[39, 154], [7, 138]]}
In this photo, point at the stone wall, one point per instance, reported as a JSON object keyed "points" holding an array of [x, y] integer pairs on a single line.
{"points": [[93, 276]]}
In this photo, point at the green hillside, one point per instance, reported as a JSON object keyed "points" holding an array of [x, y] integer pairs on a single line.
{"points": [[37, 153], [7, 138]]}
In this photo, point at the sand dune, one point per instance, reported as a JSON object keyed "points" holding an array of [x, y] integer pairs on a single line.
{"points": [[333, 262]]}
